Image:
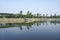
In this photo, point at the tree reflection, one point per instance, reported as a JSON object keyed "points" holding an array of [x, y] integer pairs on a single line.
{"points": [[28, 25], [54, 22]]}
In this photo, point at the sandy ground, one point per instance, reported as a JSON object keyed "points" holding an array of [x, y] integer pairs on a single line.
{"points": [[21, 20], [11, 20]]}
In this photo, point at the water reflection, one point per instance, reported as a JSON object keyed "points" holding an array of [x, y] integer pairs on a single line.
{"points": [[41, 30], [28, 25]]}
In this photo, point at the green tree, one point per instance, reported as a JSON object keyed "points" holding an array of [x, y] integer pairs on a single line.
{"points": [[20, 14], [51, 16], [54, 15], [40, 15], [43, 15], [29, 14], [46, 15], [37, 15]]}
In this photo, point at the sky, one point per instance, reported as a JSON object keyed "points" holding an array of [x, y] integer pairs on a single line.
{"points": [[34, 6]]}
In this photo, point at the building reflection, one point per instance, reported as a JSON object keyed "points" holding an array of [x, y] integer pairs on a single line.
{"points": [[28, 25]]}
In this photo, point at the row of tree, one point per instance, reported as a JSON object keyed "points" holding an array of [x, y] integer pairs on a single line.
{"points": [[28, 15]]}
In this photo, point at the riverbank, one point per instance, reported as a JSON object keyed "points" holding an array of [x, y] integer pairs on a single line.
{"points": [[11, 20], [21, 20]]}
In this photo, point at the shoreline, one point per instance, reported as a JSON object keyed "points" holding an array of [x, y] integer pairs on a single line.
{"points": [[21, 20]]}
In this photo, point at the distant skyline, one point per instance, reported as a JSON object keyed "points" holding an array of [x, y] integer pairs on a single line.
{"points": [[34, 6]]}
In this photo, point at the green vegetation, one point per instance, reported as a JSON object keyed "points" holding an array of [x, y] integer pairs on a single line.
{"points": [[27, 15]]}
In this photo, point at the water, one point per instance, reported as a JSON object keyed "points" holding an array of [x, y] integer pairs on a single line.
{"points": [[42, 30]]}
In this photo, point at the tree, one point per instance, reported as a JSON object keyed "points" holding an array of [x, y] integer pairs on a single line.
{"points": [[37, 14], [55, 16], [46, 15], [43, 15], [40, 15], [29, 14], [20, 12], [51, 16], [20, 15]]}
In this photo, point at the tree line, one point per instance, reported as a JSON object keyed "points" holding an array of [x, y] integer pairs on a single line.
{"points": [[27, 15]]}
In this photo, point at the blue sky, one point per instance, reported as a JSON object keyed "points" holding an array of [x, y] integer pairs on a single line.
{"points": [[34, 6]]}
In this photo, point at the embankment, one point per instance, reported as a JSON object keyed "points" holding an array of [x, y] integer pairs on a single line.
{"points": [[21, 20]]}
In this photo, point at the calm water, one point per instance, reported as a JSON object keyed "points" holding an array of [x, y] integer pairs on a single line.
{"points": [[43, 30]]}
